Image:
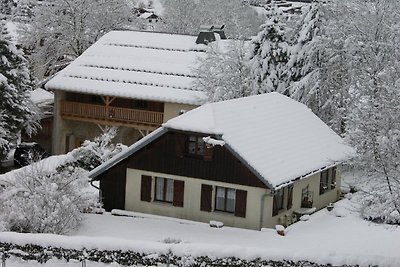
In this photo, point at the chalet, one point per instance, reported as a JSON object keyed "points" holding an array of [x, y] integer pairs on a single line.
{"points": [[251, 162], [131, 79]]}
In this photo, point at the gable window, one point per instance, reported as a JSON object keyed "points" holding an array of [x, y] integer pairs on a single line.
{"points": [[225, 199], [278, 201], [164, 190], [195, 145]]}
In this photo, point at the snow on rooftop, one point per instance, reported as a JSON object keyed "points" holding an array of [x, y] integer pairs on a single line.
{"points": [[133, 64], [40, 96], [2, 78], [278, 137]]}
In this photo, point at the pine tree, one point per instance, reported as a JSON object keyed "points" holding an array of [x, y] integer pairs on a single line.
{"points": [[270, 55], [304, 65], [17, 110]]}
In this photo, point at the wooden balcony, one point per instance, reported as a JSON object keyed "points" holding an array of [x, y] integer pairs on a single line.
{"points": [[109, 115]]}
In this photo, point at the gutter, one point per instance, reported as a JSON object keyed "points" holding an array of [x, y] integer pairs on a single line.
{"points": [[98, 188]]}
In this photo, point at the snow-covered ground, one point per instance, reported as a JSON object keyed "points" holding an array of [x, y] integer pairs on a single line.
{"points": [[337, 237]]}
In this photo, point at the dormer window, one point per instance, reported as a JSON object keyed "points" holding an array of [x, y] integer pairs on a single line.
{"points": [[195, 145]]}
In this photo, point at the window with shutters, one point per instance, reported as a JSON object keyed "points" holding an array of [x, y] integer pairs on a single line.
{"points": [[278, 201], [327, 180], [164, 189], [225, 199]]}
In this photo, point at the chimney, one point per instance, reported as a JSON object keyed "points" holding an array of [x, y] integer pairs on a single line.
{"points": [[220, 31], [206, 34]]}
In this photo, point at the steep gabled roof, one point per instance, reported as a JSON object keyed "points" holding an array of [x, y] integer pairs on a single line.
{"points": [[134, 64], [279, 138]]}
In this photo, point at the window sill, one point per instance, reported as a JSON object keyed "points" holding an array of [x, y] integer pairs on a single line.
{"points": [[162, 203], [224, 213]]}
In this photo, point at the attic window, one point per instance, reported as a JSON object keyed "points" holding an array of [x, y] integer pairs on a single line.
{"points": [[195, 146]]}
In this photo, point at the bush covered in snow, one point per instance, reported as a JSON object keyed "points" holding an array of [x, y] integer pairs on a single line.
{"points": [[41, 202], [92, 153], [39, 199], [380, 206]]}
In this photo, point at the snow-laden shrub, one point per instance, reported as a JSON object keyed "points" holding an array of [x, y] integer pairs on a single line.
{"points": [[39, 199], [40, 202], [380, 205], [92, 153]]}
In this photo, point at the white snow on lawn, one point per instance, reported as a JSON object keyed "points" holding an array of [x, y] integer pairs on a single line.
{"points": [[324, 238]]}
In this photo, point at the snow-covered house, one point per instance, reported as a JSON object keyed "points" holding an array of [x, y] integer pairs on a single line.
{"points": [[251, 162], [131, 79]]}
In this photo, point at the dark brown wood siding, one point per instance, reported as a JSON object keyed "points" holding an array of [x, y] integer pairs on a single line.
{"points": [[241, 203], [168, 155], [113, 188], [206, 196]]}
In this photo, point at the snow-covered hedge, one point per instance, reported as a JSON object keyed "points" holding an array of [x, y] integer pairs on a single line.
{"points": [[132, 258]]}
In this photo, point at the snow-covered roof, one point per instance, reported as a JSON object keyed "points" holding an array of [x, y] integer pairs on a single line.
{"points": [[279, 138], [40, 96], [136, 64]]}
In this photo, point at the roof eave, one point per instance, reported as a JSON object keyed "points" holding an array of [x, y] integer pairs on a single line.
{"points": [[126, 153]]}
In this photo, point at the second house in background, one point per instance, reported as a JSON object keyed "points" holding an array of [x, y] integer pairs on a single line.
{"points": [[131, 79]]}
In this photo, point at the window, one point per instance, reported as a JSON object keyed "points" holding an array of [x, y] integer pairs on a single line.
{"points": [[333, 178], [323, 184], [225, 199], [306, 198], [278, 201], [196, 145], [327, 180], [164, 189]]}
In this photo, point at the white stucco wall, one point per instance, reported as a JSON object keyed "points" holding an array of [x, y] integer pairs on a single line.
{"points": [[172, 110], [255, 197], [192, 195]]}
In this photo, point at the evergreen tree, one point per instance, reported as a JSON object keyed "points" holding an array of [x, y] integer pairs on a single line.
{"points": [[303, 69], [17, 110], [270, 55]]}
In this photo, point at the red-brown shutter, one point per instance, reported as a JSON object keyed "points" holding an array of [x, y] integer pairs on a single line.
{"points": [[208, 152], [290, 197], [179, 145], [206, 195], [145, 192], [179, 187], [275, 209], [240, 203]]}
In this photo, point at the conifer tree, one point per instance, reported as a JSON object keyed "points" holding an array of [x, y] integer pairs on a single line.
{"points": [[304, 65], [17, 110], [270, 55]]}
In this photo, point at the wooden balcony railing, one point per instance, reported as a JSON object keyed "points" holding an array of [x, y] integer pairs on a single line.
{"points": [[111, 114]]}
